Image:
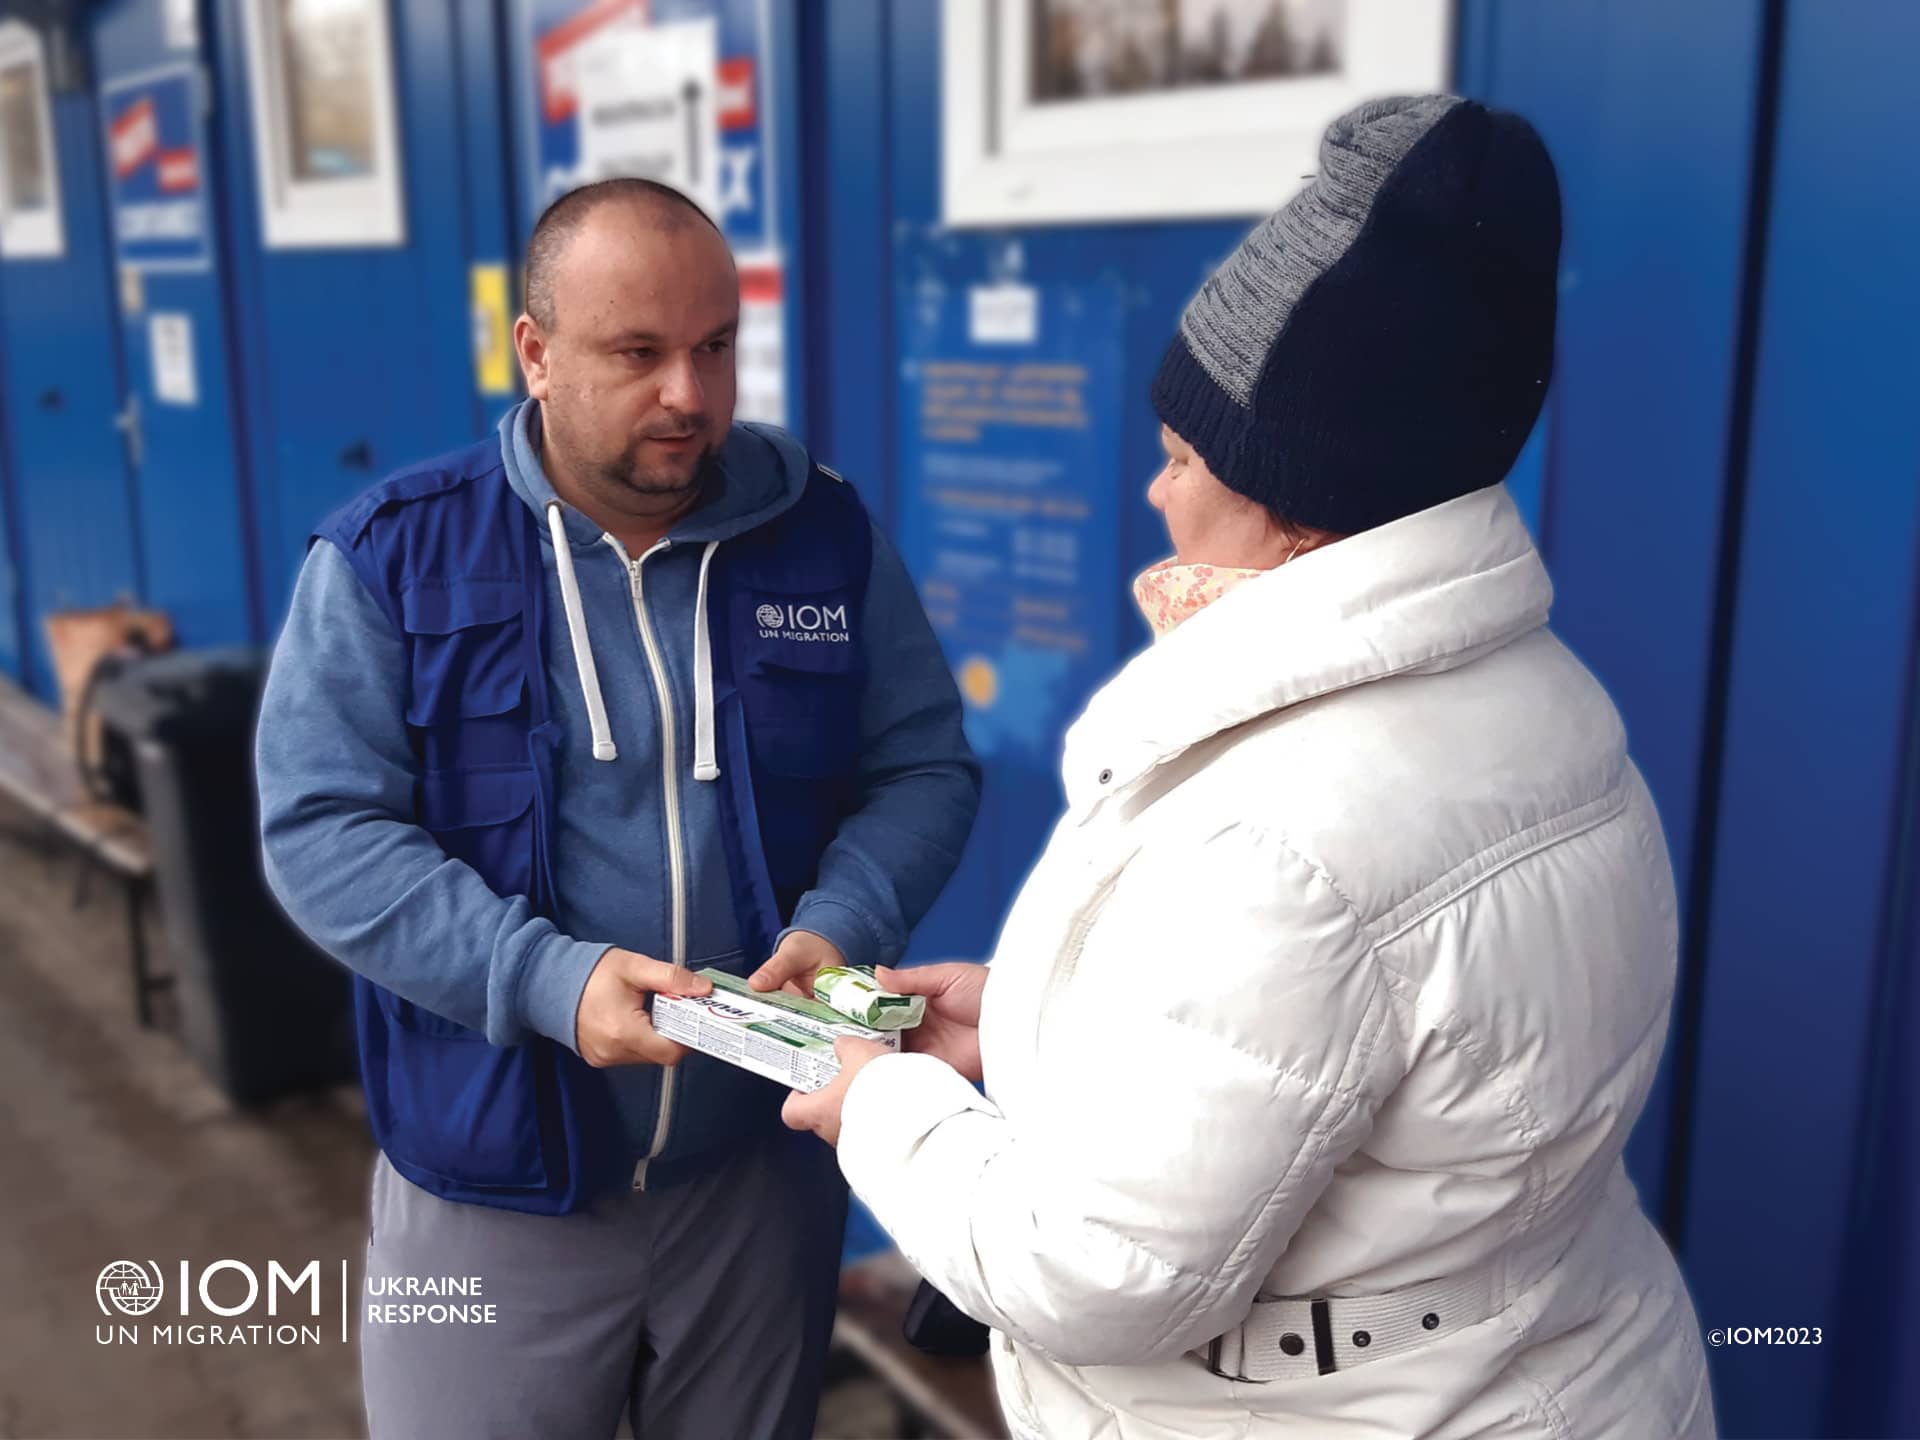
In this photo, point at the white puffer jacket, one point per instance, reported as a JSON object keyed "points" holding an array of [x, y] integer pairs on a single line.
{"points": [[1347, 969]]}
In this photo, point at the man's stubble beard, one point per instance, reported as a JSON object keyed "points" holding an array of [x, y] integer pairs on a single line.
{"points": [[625, 474], [628, 474]]}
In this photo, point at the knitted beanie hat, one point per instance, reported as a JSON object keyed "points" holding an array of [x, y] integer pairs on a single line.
{"points": [[1383, 342]]}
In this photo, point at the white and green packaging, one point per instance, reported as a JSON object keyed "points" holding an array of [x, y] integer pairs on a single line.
{"points": [[855, 993], [786, 1038]]}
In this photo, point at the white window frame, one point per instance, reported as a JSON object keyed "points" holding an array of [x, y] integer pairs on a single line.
{"points": [[32, 234], [1230, 150], [298, 214]]}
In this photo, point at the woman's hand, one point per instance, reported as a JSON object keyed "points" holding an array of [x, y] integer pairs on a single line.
{"points": [[820, 1111], [950, 1030]]}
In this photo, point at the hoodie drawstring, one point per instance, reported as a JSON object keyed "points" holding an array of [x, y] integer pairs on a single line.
{"points": [[705, 764], [603, 747]]}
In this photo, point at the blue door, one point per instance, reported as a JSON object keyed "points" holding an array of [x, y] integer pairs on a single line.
{"points": [[1646, 330], [349, 210], [75, 543], [180, 416]]}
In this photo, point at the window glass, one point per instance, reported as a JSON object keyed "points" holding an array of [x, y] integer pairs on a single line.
{"points": [[25, 145], [327, 52]]}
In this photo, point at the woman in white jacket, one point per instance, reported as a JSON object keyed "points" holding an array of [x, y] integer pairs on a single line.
{"points": [[1314, 1037]]}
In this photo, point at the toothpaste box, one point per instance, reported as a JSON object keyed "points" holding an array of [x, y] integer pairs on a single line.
{"points": [[784, 1037]]}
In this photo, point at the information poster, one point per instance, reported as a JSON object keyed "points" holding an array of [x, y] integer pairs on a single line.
{"points": [[1010, 498], [676, 91], [646, 107], [154, 171], [570, 46], [170, 346]]}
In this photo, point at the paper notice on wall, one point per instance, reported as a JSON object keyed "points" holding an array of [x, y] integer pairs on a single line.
{"points": [[1007, 510], [761, 350], [170, 339], [1005, 314], [648, 106], [180, 25]]}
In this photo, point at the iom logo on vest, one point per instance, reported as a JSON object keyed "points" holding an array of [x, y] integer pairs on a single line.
{"points": [[821, 623]]}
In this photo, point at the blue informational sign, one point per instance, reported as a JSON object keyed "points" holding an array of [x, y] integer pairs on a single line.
{"points": [[156, 157], [1010, 493], [737, 95]]}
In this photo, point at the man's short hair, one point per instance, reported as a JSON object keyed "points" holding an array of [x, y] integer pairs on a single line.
{"points": [[561, 221]]}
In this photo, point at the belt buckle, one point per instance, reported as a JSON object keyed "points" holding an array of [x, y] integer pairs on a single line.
{"points": [[1322, 1335], [1212, 1362], [1321, 1316]]}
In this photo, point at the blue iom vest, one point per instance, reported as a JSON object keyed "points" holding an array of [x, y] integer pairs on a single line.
{"points": [[452, 555]]}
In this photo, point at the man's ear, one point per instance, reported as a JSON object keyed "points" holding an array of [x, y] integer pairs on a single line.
{"points": [[530, 344]]}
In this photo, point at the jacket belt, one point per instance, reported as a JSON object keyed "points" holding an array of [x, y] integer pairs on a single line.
{"points": [[1287, 1338]]}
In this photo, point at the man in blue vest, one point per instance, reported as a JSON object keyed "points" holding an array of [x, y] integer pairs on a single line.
{"points": [[627, 691]]}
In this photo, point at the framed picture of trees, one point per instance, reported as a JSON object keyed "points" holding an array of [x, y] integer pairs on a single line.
{"points": [[1068, 111]]}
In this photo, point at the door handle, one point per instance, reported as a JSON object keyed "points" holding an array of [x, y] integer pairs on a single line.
{"points": [[53, 399], [127, 422], [357, 456]]}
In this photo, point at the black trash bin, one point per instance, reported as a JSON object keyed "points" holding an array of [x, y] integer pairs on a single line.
{"points": [[263, 1011]]}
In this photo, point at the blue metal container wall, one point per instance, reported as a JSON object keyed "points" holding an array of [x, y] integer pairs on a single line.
{"points": [[10, 587], [357, 361], [1822, 676], [194, 510], [492, 234], [1648, 108], [1873, 1388], [77, 541]]}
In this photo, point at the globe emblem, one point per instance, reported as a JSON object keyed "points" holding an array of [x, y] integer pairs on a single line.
{"points": [[132, 1290], [768, 615]]}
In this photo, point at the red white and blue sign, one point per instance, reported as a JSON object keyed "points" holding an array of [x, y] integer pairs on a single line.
{"points": [[744, 183], [155, 180]]}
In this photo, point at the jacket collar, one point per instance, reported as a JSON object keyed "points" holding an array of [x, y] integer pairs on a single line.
{"points": [[1429, 592]]}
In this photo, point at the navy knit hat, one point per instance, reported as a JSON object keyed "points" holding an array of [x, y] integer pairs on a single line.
{"points": [[1382, 343]]}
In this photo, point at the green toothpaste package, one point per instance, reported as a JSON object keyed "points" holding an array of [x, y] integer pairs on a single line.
{"points": [[855, 993], [786, 1038]]}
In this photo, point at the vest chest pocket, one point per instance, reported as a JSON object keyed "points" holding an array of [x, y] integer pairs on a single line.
{"points": [[466, 671], [801, 672]]}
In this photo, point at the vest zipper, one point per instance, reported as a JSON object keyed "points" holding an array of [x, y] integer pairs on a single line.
{"points": [[676, 857]]}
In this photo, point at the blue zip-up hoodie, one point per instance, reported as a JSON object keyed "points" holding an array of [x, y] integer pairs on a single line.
{"points": [[337, 777]]}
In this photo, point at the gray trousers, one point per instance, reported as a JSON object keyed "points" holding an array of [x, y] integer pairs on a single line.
{"points": [[704, 1309]]}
